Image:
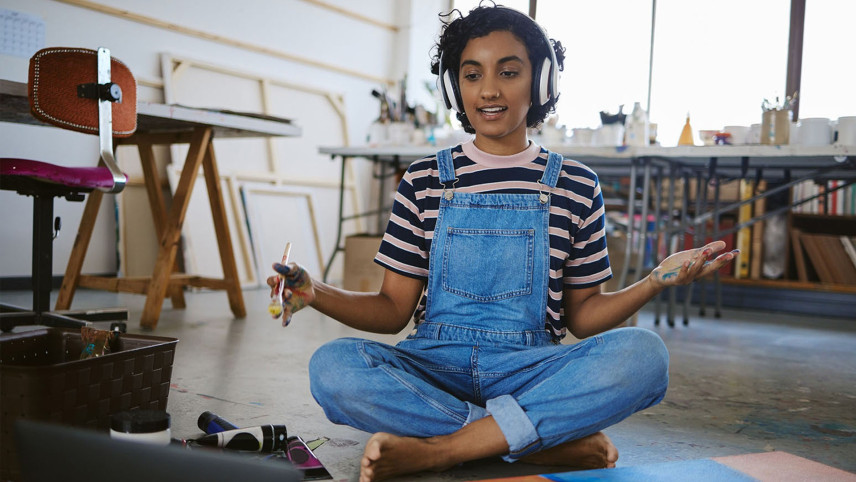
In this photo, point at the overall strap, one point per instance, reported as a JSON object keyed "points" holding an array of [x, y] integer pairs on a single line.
{"points": [[552, 171], [446, 165]]}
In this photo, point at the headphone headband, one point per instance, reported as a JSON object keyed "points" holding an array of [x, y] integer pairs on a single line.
{"points": [[544, 75]]}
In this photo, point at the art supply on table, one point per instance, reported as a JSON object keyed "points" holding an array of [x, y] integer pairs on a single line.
{"points": [[304, 460], [212, 423], [686, 138], [264, 438], [636, 130], [722, 138], [276, 301], [846, 131], [776, 120], [147, 426]]}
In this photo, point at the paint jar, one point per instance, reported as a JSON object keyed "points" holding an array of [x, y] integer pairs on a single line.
{"points": [[147, 426], [776, 126]]}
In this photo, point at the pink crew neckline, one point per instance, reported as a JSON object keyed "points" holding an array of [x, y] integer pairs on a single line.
{"points": [[492, 160]]}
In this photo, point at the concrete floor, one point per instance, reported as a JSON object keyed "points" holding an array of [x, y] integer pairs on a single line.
{"points": [[749, 382]]}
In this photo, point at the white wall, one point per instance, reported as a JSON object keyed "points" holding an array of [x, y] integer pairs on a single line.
{"points": [[294, 27]]}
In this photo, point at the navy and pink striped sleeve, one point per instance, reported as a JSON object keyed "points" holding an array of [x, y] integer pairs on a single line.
{"points": [[404, 249], [588, 263]]}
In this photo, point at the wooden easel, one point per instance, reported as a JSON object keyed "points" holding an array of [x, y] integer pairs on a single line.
{"points": [[165, 278]]}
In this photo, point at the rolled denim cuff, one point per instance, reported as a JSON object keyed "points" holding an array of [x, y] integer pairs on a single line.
{"points": [[476, 413], [519, 432]]}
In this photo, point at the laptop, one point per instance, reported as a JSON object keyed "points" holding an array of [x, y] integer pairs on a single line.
{"points": [[50, 452]]}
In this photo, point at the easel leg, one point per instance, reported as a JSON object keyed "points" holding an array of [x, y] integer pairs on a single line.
{"points": [[158, 208], [78, 252], [221, 228], [172, 232]]}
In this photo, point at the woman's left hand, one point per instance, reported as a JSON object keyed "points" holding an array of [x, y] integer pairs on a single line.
{"points": [[687, 266]]}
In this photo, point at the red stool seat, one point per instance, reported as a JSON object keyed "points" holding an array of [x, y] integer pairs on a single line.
{"points": [[84, 178]]}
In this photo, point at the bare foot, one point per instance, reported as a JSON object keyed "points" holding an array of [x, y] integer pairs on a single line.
{"points": [[593, 452], [388, 455]]}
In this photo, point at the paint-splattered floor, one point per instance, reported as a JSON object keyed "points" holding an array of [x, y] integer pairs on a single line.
{"points": [[749, 382]]}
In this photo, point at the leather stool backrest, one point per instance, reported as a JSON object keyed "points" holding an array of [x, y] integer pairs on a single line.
{"points": [[56, 72]]}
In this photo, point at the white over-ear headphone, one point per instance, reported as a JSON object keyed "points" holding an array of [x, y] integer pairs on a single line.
{"points": [[544, 76]]}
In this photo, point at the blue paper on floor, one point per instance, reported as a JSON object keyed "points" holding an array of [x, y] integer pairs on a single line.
{"points": [[695, 470]]}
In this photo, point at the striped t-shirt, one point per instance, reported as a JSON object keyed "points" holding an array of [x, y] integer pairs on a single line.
{"points": [[578, 256]]}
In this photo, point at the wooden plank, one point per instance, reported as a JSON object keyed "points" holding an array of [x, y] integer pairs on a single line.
{"points": [[248, 46], [157, 138], [744, 235], [794, 285], [354, 15], [814, 248], [210, 283], [756, 259], [137, 285], [849, 247], [837, 260], [799, 256]]}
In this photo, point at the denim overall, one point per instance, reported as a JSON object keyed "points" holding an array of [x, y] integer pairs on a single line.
{"points": [[483, 349]]}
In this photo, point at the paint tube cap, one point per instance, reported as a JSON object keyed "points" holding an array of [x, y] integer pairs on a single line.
{"points": [[140, 421]]}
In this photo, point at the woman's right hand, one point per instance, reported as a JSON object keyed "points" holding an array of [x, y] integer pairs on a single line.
{"points": [[298, 291]]}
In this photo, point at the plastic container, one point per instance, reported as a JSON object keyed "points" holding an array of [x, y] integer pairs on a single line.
{"points": [[146, 426]]}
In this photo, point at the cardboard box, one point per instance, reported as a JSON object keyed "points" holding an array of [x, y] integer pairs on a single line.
{"points": [[615, 245], [361, 272]]}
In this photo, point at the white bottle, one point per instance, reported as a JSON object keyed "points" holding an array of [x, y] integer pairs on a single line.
{"points": [[636, 132]]}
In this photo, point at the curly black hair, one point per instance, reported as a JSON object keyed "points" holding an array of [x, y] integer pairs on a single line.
{"points": [[481, 21]]}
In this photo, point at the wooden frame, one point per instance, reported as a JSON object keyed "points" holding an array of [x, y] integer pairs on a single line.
{"points": [[232, 42], [174, 69], [274, 223], [195, 259]]}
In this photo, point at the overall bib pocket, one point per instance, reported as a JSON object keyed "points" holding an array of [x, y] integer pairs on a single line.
{"points": [[488, 264]]}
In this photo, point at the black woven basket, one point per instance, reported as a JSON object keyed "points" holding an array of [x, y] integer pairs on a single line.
{"points": [[41, 378]]}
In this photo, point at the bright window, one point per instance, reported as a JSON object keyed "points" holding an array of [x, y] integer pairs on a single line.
{"points": [[717, 62], [828, 68], [606, 56]]}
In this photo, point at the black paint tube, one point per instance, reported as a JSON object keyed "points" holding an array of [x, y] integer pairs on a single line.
{"points": [[264, 438], [212, 423]]}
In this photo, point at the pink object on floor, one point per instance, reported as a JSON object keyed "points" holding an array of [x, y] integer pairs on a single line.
{"points": [[784, 467]]}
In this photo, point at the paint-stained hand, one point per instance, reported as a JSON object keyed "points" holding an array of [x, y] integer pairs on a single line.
{"points": [[298, 292], [687, 266]]}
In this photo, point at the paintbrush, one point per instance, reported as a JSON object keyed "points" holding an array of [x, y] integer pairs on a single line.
{"points": [[276, 300]]}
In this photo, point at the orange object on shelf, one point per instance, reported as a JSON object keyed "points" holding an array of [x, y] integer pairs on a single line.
{"points": [[686, 138]]}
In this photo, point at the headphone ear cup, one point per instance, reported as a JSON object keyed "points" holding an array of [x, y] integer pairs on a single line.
{"points": [[545, 82], [554, 80], [449, 86]]}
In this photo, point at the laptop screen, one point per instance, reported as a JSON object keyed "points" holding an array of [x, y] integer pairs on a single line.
{"points": [[49, 452]]}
